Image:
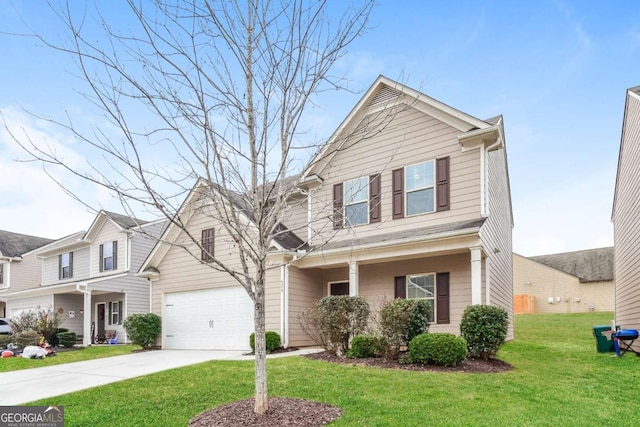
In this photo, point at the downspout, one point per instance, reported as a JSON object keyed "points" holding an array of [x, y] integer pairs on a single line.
{"points": [[282, 302], [286, 304], [86, 327]]}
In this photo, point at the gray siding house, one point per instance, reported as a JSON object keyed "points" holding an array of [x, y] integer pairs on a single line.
{"points": [[626, 217], [409, 198], [90, 276], [19, 267]]}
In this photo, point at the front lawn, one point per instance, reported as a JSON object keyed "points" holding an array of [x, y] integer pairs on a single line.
{"points": [[558, 379], [89, 353]]}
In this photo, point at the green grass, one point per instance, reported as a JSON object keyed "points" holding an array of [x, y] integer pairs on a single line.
{"points": [[89, 353], [558, 380]]}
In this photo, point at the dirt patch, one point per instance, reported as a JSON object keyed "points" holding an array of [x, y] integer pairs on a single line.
{"points": [[282, 412], [471, 365]]}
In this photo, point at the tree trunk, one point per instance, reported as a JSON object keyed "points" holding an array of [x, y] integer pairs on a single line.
{"points": [[261, 404]]}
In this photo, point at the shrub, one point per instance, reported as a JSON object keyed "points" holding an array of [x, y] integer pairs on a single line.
{"points": [[67, 339], [272, 338], [4, 340], [334, 320], [484, 327], [366, 346], [25, 338], [401, 320], [42, 320], [143, 329], [437, 349]]}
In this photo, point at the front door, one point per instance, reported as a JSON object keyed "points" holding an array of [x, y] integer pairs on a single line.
{"points": [[101, 312]]}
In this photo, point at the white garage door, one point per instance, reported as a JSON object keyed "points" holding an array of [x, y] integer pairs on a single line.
{"points": [[211, 319]]}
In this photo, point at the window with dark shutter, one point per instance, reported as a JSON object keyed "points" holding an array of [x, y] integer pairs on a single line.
{"points": [[108, 256], [397, 178], [115, 255], [337, 206], [442, 297], [65, 265], [101, 260], [374, 198], [442, 184], [208, 244], [1, 274], [400, 289]]}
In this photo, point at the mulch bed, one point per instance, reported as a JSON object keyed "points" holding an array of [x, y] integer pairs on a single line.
{"points": [[471, 365], [282, 412]]}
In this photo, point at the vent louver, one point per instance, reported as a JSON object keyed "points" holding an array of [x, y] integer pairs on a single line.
{"points": [[384, 95]]}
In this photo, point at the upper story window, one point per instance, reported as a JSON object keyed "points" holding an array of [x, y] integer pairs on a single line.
{"points": [[208, 244], [109, 256], [356, 202], [1, 274], [421, 188], [65, 265]]}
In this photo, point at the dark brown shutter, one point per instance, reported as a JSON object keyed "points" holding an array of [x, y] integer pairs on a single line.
{"points": [[374, 198], [442, 297], [398, 193], [101, 266], [70, 264], [400, 287], [115, 255], [59, 266], [208, 244], [120, 312], [337, 206], [442, 184]]}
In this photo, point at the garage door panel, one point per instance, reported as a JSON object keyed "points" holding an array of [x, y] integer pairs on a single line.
{"points": [[210, 319]]}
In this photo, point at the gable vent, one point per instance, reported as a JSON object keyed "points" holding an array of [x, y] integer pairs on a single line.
{"points": [[385, 94]]}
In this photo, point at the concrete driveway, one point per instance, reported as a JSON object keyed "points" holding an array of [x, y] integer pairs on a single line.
{"points": [[27, 385]]}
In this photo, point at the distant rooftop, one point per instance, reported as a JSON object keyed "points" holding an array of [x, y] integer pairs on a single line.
{"points": [[15, 244], [591, 265]]}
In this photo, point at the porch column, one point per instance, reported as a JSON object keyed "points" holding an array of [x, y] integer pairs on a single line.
{"points": [[353, 278], [86, 327], [476, 275]]}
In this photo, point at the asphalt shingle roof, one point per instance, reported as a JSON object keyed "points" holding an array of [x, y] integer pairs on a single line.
{"points": [[124, 221], [591, 265], [15, 244]]}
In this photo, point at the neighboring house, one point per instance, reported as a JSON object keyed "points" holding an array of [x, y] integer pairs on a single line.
{"points": [[409, 198], [89, 276], [19, 266], [626, 217], [570, 282]]}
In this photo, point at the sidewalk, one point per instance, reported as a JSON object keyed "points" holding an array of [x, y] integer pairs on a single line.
{"points": [[28, 385]]}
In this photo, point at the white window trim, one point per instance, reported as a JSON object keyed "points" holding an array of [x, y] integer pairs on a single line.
{"points": [[345, 203], [333, 282], [435, 292], [406, 192], [113, 312], [104, 257]]}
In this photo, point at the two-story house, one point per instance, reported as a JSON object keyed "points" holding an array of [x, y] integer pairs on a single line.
{"points": [[90, 276], [19, 266], [626, 217], [409, 198]]}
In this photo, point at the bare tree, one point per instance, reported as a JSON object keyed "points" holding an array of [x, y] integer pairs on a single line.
{"points": [[226, 83]]}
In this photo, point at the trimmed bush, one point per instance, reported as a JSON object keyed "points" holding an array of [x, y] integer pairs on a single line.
{"points": [[401, 320], [363, 346], [484, 327], [335, 320], [437, 349], [67, 339], [25, 338], [272, 338], [4, 340], [143, 329]]}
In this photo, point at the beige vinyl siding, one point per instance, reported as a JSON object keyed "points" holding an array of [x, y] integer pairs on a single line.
{"points": [[71, 302], [107, 234], [296, 217], [305, 289], [272, 301], [25, 274], [626, 220], [80, 267], [496, 235], [412, 137], [544, 282]]}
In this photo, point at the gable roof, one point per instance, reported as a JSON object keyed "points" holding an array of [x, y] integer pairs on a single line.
{"points": [[384, 93], [591, 265], [123, 222], [14, 244]]}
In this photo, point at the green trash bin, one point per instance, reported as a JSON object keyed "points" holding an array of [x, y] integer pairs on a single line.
{"points": [[604, 340]]}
